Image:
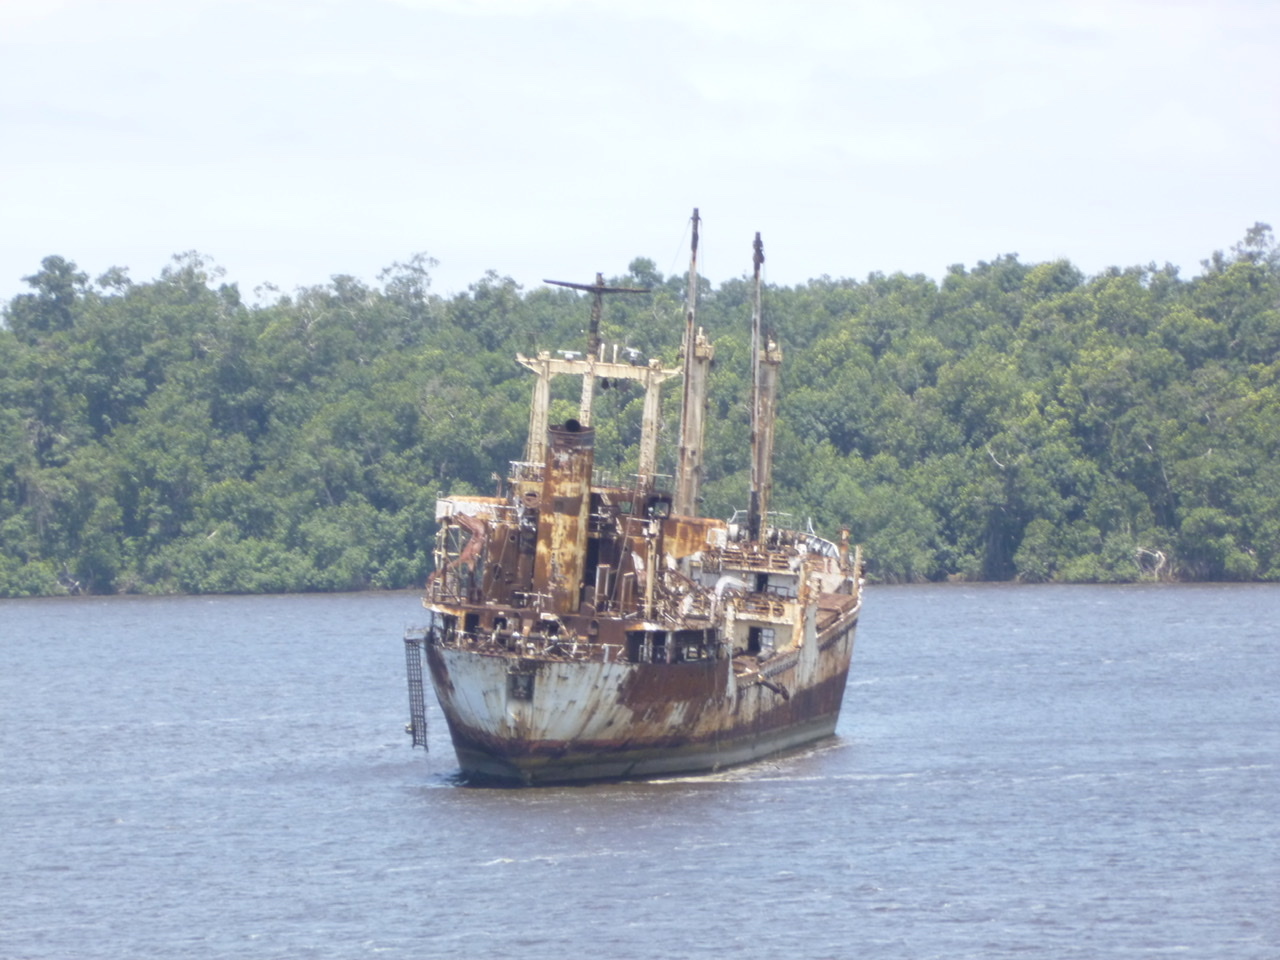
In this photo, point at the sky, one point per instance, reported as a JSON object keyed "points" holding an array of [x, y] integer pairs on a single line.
{"points": [[289, 141]]}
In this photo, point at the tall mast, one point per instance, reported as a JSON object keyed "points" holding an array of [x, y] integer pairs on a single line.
{"points": [[697, 362], [765, 359]]}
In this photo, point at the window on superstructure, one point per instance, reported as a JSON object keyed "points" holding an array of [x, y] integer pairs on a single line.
{"points": [[760, 639], [659, 506], [647, 646]]}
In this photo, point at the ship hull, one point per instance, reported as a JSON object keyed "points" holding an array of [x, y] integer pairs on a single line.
{"points": [[583, 763], [609, 721]]}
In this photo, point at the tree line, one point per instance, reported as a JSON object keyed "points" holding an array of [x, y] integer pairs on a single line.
{"points": [[1011, 421]]}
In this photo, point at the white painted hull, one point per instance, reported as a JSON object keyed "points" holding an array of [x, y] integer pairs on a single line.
{"points": [[593, 720]]}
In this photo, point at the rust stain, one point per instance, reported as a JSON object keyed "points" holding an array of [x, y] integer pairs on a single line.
{"points": [[650, 683]]}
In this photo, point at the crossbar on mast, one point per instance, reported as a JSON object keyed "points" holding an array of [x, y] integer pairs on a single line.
{"points": [[598, 289]]}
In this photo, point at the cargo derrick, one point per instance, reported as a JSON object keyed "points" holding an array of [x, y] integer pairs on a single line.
{"points": [[585, 630]]}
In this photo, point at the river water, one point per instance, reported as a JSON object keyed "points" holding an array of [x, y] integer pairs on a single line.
{"points": [[1019, 771]]}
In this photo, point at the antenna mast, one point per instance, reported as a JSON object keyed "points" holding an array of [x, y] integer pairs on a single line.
{"points": [[595, 349]]}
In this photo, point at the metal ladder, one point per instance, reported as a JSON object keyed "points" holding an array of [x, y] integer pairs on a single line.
{"points": [[417, 726]]}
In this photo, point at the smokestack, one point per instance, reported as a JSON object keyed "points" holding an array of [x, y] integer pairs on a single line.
{"points": [[566, 509]]}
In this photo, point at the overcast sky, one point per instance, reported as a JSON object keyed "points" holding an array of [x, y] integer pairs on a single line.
{"points": [[291, 140]]}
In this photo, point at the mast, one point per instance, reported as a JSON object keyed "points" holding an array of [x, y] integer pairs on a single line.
{"points": [[765, 359], [698, 353], [595, 364], [595, 349]]}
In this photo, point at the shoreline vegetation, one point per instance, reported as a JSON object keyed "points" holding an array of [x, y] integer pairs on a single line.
{"points": [[1008, 422]]}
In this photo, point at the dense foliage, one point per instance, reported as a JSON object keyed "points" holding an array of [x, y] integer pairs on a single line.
{"points": [[1011, 421]]}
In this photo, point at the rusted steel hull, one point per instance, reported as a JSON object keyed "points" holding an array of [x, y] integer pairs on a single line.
{"points": [[596, 720], [610, 761]]}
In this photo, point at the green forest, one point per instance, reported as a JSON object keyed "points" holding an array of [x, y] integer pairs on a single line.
{"points": [[1010, 421]]}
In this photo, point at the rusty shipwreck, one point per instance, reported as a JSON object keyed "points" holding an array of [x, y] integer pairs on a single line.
{"points": [[585, 629]]}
